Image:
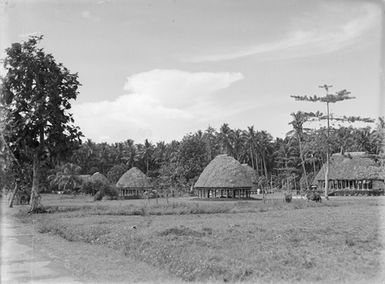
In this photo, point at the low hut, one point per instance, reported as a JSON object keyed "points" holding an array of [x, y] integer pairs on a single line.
{"points": [[98, 177], [253, 176], [133, 183], [224, 177], [83, 179], [353, 173]]}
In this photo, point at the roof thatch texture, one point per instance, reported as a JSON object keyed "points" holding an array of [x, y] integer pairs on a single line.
{"points": [[352, 166], [133, 178], [98, 177], [224, 172], [251, 172], [84, 178]]}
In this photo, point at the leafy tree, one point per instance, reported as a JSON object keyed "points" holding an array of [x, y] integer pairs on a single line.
{"points": [[36, 94], [191, 157], [116, 172]]}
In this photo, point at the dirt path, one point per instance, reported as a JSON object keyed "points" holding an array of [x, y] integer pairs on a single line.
{"points": [[21, 261], [30, 257]]}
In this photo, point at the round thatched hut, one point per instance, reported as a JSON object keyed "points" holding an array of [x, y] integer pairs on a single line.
{"points": [[224, 177], [98, 177], [253, 177], [133, 183]]}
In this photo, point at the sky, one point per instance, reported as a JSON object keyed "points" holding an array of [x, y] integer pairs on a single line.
{"points": [[161, 69]]}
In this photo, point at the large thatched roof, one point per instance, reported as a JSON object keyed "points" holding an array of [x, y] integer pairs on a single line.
{"points": [[224, 172], [98, 177], [352, 166], [133, 178], [251, 172]]}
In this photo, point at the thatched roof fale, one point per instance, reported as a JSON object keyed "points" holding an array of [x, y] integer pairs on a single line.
{"points": [[251, 172], [224, 172], [352, 166], [134, 178], [84, 178]]}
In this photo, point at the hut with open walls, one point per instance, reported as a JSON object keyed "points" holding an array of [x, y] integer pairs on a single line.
{"points": [[353, 173], [133, 184], [224, 177], [253, 176]]}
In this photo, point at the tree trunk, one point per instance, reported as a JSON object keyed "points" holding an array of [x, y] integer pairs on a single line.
{"points": [[256, 163], [327, 156], [303, 162], [13, 195], [327, 176], [264, 165], [252, 158], [35, 196]]}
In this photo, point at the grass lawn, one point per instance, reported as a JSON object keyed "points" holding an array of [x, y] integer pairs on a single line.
{"points": [[334, 241]]}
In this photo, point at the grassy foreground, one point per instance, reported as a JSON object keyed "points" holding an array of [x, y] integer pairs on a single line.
{"points": [[335, 241]]}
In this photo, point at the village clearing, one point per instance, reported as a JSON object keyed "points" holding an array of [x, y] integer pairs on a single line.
{"points": [[185, 239]]}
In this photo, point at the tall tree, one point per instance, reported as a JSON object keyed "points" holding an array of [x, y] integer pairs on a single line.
{"points": [[328, 99], [224, 136], [299, 118], [37, 93]]}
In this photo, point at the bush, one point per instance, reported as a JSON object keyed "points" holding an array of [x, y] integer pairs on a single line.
{"points": [[111, 191], [103, 189], [98, 196], [288, 197], [314, 196]]}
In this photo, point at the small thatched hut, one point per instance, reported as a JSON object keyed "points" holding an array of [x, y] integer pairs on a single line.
{"points": [[98, 177], [353, 173], [83, 179], [253, 176], [224, 177], [133, 183]]}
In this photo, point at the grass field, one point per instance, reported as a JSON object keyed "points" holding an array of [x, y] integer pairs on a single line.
{"points": [[334, 241]]}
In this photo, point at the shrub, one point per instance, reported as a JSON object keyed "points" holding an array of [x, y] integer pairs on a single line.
{"points": [[111, 191], [98, 196], [288, 197], [314, 196]]}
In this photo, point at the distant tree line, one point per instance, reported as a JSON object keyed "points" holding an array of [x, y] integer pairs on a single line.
{"points": [[277, 162]]}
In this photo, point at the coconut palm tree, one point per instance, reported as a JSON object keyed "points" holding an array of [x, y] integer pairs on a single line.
{"points": [[66, 177], [225, 140], [299, 118], [130, 153], [237, 141]]}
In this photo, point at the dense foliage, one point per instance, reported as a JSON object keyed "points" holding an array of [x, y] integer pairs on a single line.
{"points": [[277, 162]]}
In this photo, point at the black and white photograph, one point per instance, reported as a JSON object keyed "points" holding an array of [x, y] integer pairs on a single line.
{"points": [[192, 141]]}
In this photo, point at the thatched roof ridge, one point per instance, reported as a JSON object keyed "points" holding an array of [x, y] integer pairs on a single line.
{"points": [[352, 166], [99, 177], [251, 172], [133, 178], [84, 178], [224, 172]]}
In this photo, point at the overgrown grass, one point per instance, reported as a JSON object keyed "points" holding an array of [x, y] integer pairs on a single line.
{"points": [[237, 241], [181, 208]]}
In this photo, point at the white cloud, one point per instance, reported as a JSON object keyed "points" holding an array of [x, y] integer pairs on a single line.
{"points": [[159, 105], [332, 28], [86, 14]]}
